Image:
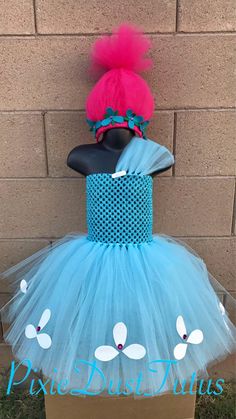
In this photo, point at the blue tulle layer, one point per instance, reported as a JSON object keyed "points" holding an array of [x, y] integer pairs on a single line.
{"points": [[90, 286]]}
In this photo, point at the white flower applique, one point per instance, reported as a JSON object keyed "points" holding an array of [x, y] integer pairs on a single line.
{"points": [[107, 353], [223, 312], [195, 337], [23, 286], [222, 309], [31, 332]]}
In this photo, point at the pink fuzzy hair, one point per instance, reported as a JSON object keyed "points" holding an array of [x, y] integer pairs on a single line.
{"points": [[121, 57]]}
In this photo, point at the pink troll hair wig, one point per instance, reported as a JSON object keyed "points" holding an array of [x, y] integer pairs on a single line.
{"points": [[117, 59]]}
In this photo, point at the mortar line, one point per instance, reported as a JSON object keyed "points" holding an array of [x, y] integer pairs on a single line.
{"points": [[66, 177], [96, 34], [50, 238], [177, 16], [187, 109], [35, 18], [234, 213], [45, 143], [174, 142]]}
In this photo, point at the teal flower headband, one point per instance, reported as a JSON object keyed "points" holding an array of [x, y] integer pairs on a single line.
{"points": [[111, 117]]}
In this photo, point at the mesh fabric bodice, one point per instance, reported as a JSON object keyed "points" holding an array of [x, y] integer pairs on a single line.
{"points": [[119, 210]]}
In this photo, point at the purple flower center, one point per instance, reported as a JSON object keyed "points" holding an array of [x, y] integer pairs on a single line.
{"points": [[120, 346], [38, 329], [185, 337]]}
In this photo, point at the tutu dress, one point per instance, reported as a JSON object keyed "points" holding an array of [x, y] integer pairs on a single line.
{"points": [[118, 301]]}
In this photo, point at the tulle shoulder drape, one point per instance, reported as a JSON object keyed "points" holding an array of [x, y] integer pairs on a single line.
{"points": [[144, 157]]}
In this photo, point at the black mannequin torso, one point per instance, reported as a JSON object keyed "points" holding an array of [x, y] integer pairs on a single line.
{"points": [[101, 157]]}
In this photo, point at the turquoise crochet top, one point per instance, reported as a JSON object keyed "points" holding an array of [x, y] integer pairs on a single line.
{"points": [[119, 210]]}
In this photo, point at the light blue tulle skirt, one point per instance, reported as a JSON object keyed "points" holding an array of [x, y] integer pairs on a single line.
{"points": [[89, 287]]}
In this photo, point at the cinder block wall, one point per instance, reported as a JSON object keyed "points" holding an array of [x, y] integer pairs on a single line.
{"points": [[44, 48]]}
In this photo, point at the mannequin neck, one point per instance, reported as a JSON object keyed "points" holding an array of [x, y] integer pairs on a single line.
{"points": [[116, 138]]}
